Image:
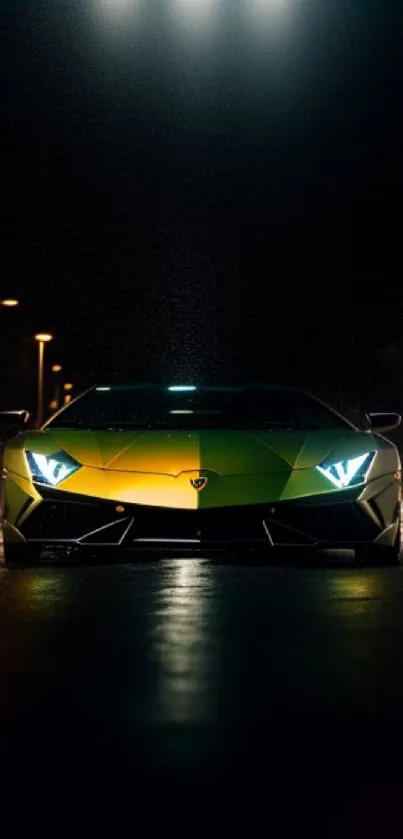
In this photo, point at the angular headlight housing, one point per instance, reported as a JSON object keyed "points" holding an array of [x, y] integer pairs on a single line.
{"points": [[349, 472], [51, 469]]}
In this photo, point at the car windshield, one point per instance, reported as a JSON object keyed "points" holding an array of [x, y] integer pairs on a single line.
{"points": [[199, 408]]}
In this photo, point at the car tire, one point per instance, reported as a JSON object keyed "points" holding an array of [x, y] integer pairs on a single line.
{"points": [[380, 554], [21, 553]]}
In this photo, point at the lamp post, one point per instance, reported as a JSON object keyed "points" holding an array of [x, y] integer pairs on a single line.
{"points": [[12, 372], [42, 338], [57, 369], [67, 387]]}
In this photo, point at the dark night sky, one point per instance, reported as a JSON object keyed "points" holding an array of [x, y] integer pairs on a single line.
{"points": [[193, 194]]}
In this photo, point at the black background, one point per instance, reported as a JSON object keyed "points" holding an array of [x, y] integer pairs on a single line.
{"points": [[204, 199]]}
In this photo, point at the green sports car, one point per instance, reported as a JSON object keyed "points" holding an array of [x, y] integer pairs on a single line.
{"points": [[145, 466]]}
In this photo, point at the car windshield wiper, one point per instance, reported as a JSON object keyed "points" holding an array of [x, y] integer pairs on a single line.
{"points": [[186, 425], [280, 426], [104, 426]]}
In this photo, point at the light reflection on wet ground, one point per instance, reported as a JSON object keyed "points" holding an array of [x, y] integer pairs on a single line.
{"points": [[201, 666]]}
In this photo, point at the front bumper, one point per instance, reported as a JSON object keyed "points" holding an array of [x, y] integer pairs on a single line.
{"points": [[340, 520]]}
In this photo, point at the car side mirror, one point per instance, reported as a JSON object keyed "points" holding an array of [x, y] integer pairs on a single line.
{"points": [[14, 419], [383, 422]]}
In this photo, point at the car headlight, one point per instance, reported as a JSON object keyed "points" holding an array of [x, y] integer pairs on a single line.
{"points": [[51, 469], [349, 472]]}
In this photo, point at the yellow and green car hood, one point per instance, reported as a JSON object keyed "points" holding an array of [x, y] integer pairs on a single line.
{"points": [[162, 468]]}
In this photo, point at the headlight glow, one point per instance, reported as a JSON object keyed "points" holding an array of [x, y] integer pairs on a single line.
{"points": [[349, 472], [51, 469]]}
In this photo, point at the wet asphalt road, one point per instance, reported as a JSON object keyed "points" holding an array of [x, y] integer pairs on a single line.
{"points": [[196, 669]]}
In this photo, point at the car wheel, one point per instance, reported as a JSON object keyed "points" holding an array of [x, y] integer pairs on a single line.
{"points": [[21, 553], [380, 554]]}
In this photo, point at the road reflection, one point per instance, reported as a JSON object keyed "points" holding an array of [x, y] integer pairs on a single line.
{"points": [[34, 604], [179, 657], [356, 585], [182, 641]]}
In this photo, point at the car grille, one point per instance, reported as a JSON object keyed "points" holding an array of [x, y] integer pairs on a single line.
{"points": [[225, 524], [286, 523], [61, 520], [345, 522]]}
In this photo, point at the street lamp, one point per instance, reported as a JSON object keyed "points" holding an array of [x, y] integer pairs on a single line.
{"points": [[9, 302], [68, 386], [57, 369], [42, 338]]}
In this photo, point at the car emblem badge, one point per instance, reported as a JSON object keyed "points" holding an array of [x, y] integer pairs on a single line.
{"points": [[198, 483]]}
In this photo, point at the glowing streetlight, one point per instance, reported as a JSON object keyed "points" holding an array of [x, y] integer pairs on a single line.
{"points": [[57, 369], [67, 387], [9, 302], [42, 338]]}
